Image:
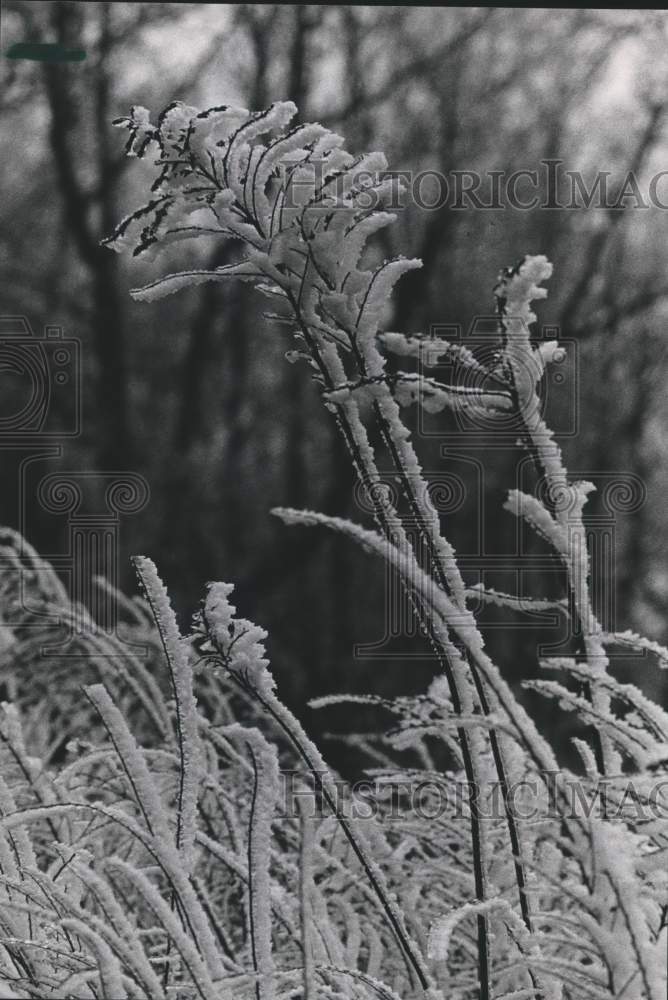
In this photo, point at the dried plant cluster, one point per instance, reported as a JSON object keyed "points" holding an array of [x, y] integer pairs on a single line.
{"points": [[155, 857]]}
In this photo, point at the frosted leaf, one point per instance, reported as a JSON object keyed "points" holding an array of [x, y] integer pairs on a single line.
{"points": [[187, 725], [377, 987], [374, 300], [298, 202], [126, 747], [259, 684], [636, 742], [259, 123], [588, 758], [402, 345], [517, 288], [647, 716], [141, 130], [118, 927], [239, 642], [7, 992], [185, 946], [109, 968], [491, 596], [277, 155], [439, 691], [430, 350], [403, 559], [532, 510], [614, 849], [637, 642], [409, 388], [547, 353], [265, 795], [441, 931], [355, 239], [162, 287]]}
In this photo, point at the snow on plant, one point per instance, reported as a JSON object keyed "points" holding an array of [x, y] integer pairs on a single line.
{"points": [[170, 867]]}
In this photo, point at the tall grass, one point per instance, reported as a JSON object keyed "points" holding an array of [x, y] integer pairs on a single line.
{"points": [[168, 855]]}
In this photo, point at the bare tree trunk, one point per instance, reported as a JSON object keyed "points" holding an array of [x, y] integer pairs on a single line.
{"points": [[412, 296], [113, 436], [600, 239]]}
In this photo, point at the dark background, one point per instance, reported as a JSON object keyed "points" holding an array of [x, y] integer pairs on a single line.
{"points": [[194, 393]]}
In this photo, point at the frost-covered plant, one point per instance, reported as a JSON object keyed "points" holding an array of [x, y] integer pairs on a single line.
{"points": [[43, 635], [168, 869]]}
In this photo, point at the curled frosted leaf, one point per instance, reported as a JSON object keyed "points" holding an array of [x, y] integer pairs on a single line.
{"points": [[441, 931], [517, 288], [239, 642]]}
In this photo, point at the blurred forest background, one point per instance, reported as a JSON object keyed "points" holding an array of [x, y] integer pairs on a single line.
{"points": [[194, 393]]}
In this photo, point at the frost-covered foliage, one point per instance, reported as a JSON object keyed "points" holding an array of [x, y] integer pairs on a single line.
{"points": [[166, 856]]}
